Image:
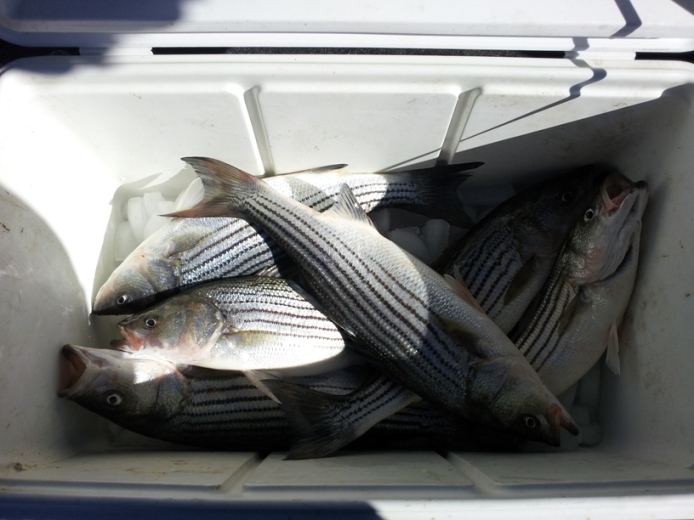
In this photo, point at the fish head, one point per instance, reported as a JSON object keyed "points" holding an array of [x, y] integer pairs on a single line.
{"points": [[180, 329], [151, 269], [553, 206], [119, 386], [603, 236], [511, 397]]}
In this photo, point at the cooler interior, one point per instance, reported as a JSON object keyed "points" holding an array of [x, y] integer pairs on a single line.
{"points": [[78, 136]]}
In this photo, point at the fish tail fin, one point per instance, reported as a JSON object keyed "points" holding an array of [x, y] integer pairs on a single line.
{"points": [[438, 187], [226, 189], [315, 419]]}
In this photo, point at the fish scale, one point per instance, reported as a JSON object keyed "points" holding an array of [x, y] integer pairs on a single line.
{"points": [[407, 315], [543, 327], [230, 413], [589, 287], [393, 304], [185, 253], [246, 323], [526, 231]]}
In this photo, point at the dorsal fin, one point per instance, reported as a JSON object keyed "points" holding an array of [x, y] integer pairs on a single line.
{"points": [[346, 206]]}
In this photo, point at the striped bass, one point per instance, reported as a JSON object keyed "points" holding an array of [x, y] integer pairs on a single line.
{"points": [[507, 257], [403, 314], [186, 252], [226, 411], [248, 324], [589, 289]]}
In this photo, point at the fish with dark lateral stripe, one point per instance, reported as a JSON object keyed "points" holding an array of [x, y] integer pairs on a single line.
{"points": [[226, 411], [251, 324], [507, 257], [582, 304], [403, 314], [187, 252]]}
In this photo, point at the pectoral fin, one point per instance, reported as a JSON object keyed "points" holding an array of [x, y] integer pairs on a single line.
{"points": [[612, 355], [465, 338], [256, 377]]}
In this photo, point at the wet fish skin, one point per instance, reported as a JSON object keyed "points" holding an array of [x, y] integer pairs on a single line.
{"points": [[589, 289], [248, 323], [507, 257], [323, 423], [186, 252], [404, 313], [227, 412]]}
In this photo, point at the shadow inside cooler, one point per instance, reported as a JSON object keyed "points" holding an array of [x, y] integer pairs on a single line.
{"points": [[72, 152]]}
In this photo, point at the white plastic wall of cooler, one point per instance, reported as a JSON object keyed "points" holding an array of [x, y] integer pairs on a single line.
{"points": [[76, 134], [560, 25]]}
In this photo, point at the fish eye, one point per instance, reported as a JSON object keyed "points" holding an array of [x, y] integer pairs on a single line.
{"points": [[151, 322], [114, 399], [123, 299], [567, 197], [588, 216], [528, 422]]}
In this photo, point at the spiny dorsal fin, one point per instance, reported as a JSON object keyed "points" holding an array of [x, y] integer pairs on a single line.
{"points": [[346, 206]]}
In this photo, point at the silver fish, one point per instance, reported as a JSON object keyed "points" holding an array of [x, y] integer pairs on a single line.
{"points": [[422, 334], [590, 286], [323, 423], [507, 257], [185, 252], [248, 324], [226, 411]]}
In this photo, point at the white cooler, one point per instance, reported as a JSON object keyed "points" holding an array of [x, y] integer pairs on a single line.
{"points": [[79, 135]]}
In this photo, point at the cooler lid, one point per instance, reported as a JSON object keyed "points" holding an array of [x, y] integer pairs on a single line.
{"points": [[560, 25]]}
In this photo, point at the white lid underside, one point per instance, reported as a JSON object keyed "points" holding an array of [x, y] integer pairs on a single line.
{"points": [[620, 25]]}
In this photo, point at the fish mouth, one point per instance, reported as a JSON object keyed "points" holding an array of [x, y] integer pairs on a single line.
{"points": [[614, 190], [558, 419], [73, 364], [80, 366]]}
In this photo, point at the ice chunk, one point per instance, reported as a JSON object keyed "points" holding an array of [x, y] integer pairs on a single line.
{"points": [[153, 223], [156, 220], [165, 206], [190, 196], [124, 242], [435, 236], [151, 201], [411, 243], [137, 217]]}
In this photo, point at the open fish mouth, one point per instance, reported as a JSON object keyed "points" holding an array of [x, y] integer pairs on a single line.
{"points": [[614, 190], [73, 364], [80, 366]]}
